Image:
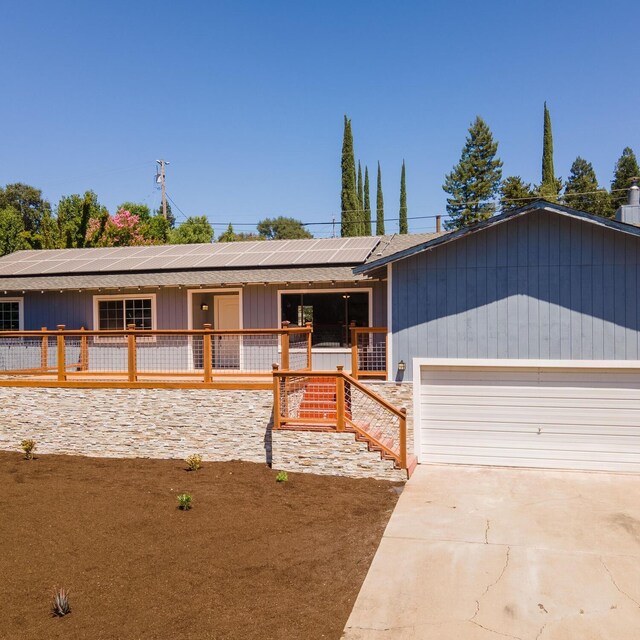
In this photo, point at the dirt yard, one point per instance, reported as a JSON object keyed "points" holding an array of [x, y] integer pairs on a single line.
{"points": [[252, 559]]}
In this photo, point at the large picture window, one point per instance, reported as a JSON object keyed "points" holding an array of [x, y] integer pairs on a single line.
{"points": [[115, 313], [331, 314], [10, 314]]}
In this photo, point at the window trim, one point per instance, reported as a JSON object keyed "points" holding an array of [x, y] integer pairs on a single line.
{"points": [[20, 302], [367, 290], [124, 296]]}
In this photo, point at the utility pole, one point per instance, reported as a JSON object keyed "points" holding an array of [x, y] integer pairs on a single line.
{"points": [[160, 177]]}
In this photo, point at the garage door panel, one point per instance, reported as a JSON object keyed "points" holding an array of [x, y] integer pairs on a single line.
{"points": [[544, 418], [533, 414], [603, 430]]}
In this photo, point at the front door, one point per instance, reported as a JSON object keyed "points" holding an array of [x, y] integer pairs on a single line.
{"points": [[226, 317]]}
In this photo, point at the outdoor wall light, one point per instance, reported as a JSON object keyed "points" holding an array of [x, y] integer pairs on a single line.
{"points": [[204, 307], [401, 365]]}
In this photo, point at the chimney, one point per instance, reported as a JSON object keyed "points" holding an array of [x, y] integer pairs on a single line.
{"points": [[630, 212]]}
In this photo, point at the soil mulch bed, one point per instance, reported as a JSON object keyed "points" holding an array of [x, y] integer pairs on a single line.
{"points": [[252, 559]]}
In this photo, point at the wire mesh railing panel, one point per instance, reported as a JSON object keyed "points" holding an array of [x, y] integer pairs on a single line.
{"points": [[104, 354], [259, 352], [298, 355], [374, 418], [372, 351], [23, 354], [168, 354], [292, 391]]}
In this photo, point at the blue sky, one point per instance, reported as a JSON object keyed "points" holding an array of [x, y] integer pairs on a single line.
{"points": [[246, 99]]}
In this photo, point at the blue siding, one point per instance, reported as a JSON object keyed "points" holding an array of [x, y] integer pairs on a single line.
{"points": [[539, 286]]}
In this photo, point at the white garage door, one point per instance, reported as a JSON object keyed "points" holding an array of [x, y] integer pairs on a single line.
{"points": [[564, 417]]}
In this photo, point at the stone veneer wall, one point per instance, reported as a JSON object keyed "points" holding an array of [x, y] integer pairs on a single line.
{"points": [[173, 423], [399, 395]]}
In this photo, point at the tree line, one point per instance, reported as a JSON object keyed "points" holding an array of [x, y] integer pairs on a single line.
{"points": [[477, 189], [28, 221]]}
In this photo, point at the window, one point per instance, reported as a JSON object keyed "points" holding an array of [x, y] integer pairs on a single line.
{"points": [[114, 313], [330, 312], [11, 314]]}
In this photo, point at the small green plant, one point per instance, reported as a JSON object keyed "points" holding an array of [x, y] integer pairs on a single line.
{"points": [[282, 476], [194, 462], [60, 605], [28, 446], [185, 501]]}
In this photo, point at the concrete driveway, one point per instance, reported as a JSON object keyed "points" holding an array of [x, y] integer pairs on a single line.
{"points": [[479, 553]]}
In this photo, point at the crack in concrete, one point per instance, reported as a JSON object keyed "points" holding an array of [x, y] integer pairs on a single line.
{"points": [[615, 584], [504, 635], [542, 628], [486, 532]]}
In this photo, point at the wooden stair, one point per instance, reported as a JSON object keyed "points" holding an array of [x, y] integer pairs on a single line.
{"points": [[319, 401]]}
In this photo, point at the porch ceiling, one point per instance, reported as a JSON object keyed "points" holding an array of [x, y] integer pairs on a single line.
{"points": [[180, 278]]}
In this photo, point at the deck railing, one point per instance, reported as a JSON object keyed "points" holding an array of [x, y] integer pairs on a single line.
{"points": [[368, 352], [336, 400], [134, 355]]}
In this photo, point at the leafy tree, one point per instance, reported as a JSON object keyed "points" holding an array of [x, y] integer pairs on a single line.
{"points": [[73, 215], [282, 228], [404, 223], [379, 206], [367, 204], [28, 201], [195, 230], [231, 236], [12, 234], [360, 223], [136, 209], [475, 180], [515, 193], [156, 229], [626, 168], [550, 186], [122, 230], [583, 192], [349, 193]]}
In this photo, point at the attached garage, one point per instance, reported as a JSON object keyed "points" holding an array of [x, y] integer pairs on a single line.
{"points": [[582, 415]]}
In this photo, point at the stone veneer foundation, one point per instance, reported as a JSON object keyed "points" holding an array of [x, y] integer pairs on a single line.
{"points": [[174, 423]]}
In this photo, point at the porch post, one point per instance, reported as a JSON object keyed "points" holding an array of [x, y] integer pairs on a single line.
{"points": [[403, 439], [354, 351], [131, 354], [340, 399], [44, 350], [309, 326], [62, 372], [206, 352], [276, 397], [84, 352], [285, 345]]}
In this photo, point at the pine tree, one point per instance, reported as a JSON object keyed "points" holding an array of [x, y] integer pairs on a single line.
{"points": [[582, 191], [403, 223], [379, 206], [515, 193], [626, 168], [367, 203], [550, 186], [475, 180], [349, 194]]}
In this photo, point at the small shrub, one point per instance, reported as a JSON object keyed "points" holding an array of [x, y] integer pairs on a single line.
{"points": [[184, 501], [194, 462], [60, 605], [28, 446], [282, 476]]}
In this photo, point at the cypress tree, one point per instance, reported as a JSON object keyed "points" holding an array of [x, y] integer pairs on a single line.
{"points": [[360, 223], [550, 186], [379, 206], [626, 168], [367, 203], [348, 194], [475, 180], [582, 191], [404, 224]]}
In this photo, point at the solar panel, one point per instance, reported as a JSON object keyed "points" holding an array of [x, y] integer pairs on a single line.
{"points": [[272, 253]]}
